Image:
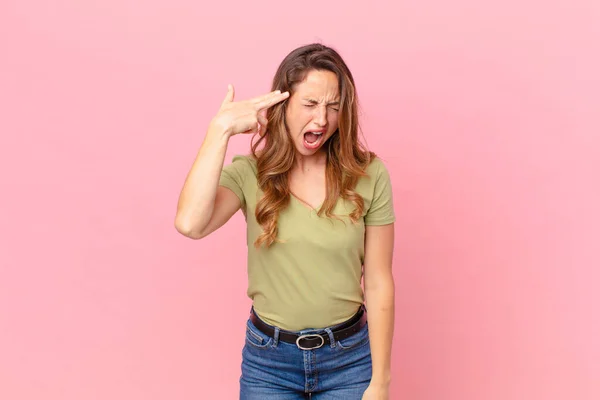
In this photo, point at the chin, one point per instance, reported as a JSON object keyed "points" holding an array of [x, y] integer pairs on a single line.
{"points": [[306, 152]]}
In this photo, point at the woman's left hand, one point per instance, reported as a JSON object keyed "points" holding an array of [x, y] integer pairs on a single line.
{"points": [[379, 392]]}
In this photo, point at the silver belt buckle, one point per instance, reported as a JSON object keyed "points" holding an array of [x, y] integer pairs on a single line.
{"points": [[310, 335]]}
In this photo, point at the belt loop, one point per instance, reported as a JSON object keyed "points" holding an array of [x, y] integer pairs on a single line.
{"points": [[331, 338], [276, 337]]}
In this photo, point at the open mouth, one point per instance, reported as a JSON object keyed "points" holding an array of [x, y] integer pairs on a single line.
{"points": [[313, 139]]}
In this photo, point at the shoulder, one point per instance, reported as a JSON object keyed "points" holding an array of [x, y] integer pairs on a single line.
{"points": [[378, 194], [376, 166], [376, 170], [376, 176], [245, 164]]}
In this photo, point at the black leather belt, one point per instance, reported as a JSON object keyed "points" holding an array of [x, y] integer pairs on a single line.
{"points": [[313, 341]]}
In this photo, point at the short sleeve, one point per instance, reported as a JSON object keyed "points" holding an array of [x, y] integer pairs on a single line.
{"points": [[381, 210], [234, 175]]}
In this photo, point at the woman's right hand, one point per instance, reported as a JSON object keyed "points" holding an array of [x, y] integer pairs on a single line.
{"points": [[245, 116]]}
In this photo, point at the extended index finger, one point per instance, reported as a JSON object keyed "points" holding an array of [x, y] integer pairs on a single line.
{"points": [[265, 96], [271, 99]]}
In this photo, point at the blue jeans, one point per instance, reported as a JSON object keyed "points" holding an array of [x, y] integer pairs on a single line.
{"points": [[276, 370]]}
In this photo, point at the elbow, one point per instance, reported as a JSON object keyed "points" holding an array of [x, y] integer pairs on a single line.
{"points": [[380, 284], [382, 296], [186, 228]]}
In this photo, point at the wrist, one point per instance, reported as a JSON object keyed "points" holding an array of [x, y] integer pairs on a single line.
{"points": [[217, 131], [381, 380]]}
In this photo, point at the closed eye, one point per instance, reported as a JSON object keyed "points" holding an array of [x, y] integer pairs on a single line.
{"points": [[313, 105]]}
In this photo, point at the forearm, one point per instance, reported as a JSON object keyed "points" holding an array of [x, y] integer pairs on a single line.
{"points": [[380, 314], [197, 198]]}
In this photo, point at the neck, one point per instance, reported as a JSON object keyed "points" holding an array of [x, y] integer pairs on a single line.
{"points": [[307, 163]]}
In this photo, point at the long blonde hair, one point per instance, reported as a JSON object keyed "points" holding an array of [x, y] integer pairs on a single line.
{"points": [[347, 158]]}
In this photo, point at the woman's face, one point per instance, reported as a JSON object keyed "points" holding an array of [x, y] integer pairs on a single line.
{"points": [[312, 111]]}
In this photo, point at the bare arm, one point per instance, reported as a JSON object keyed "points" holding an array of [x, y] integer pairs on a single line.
{"points": [[203, 205], [379, 293]]}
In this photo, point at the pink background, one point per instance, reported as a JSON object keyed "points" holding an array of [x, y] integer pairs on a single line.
{"points": [[487, 116]]}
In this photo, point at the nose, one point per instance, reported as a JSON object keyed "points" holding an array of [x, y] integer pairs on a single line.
{"points": [[321, 116]]}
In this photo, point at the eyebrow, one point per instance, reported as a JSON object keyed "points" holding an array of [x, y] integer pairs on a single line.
{"points": [[313, 101]]}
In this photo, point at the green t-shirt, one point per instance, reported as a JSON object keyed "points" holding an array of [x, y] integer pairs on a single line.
{"points": [[313, 279]]}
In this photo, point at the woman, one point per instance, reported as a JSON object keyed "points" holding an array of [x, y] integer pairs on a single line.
{"points": [[319, 212]]}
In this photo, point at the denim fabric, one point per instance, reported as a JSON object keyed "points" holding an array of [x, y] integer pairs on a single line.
{"points": [[276, 370]]}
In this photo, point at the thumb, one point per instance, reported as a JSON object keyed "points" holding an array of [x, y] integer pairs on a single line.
{"points": [[230, 94]]}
